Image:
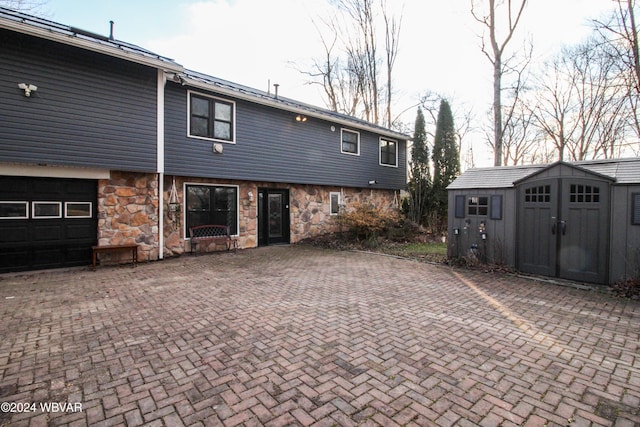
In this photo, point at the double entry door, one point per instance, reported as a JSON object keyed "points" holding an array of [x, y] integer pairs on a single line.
{"points": [[563, 228], [273, 216]]}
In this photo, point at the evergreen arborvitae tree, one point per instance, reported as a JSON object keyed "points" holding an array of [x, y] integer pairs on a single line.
{"points": [[446, 162], [420, 180]]}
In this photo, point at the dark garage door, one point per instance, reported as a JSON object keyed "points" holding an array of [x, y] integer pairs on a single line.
{"points": [[46, 222]]}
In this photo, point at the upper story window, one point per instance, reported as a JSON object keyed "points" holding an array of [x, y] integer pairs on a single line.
{"points": [[388, 152], [211, 118], [350, 142]]}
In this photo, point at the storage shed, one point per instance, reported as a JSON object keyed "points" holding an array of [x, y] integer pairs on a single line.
{"points": [[571, 220]]}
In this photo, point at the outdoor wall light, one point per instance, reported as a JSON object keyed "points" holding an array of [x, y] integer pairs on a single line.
{"points": [[28, 88], [250, 194], [372, 182], [301, 118]]}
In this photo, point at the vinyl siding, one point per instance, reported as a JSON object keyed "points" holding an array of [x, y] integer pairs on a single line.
{"points": [[271, 146], [89, 110]]}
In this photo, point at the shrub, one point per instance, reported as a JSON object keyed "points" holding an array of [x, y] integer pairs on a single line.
{"points": [[366, 221]]}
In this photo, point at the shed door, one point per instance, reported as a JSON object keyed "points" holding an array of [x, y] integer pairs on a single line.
{"points": [[537, 243], [563, 228], [584, 230]]}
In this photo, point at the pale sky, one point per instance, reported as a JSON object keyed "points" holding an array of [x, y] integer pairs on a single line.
{"points": [[254, 42]]}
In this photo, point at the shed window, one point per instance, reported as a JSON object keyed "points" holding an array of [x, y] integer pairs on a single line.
{"points": [[478, 205], [635, 208], [539, 194], [211, 118], [584, 194], [496, 206]]}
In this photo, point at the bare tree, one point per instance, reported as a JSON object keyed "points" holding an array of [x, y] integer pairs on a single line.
{"points": [[31, 6], [495, 54], [621, 33], [580, 104], [350, 72]]}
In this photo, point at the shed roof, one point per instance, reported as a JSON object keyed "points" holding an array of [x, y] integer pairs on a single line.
{"points": [[623, 171]]}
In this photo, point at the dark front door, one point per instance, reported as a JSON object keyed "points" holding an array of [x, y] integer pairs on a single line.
{"points": [[273, 216], [563, 228], [46, 222]]}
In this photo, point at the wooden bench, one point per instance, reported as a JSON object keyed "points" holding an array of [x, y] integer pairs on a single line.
{"points": [[211, 233], [132, 248]]}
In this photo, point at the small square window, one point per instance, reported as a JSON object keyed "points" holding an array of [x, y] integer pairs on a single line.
{"points": [[478, 205], [350, 142]]}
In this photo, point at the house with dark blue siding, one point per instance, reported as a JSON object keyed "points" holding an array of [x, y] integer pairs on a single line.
{"points": [[104, 142]]}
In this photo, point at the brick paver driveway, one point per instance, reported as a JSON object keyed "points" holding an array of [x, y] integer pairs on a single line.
{"points": [[301, 336]]}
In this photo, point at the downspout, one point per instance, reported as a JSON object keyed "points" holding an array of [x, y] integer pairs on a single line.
{"points": [[160, 160]]}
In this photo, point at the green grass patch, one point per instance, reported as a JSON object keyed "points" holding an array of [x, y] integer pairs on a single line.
{"points": [[432, 250]]}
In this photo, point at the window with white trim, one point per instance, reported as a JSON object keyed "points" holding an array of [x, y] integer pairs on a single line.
{"points": [[334, 203], [388, 152], [78, 209], [45, 210], [211, 204], [211, 118], [350, 142], [14, 210]]}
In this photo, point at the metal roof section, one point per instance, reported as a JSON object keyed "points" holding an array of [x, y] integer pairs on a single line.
{"points": [[207, 82], [622, 171], [43, 28]]}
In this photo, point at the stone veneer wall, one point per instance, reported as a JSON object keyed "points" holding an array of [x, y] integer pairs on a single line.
{"points": [[128, 212], [309, 209]]}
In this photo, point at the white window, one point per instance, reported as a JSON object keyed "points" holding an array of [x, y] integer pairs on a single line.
{"points": [[388, 152], [14, 210], [334, 203], [350, 142], [45, 210], [77, 209], [211, 118]]}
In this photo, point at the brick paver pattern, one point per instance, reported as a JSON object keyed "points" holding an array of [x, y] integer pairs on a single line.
{"points": [[300, 336]]}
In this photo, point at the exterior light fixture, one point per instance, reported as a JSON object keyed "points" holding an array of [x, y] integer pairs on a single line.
{"points": [[301, 118], [373, 182], [28, 88]]}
